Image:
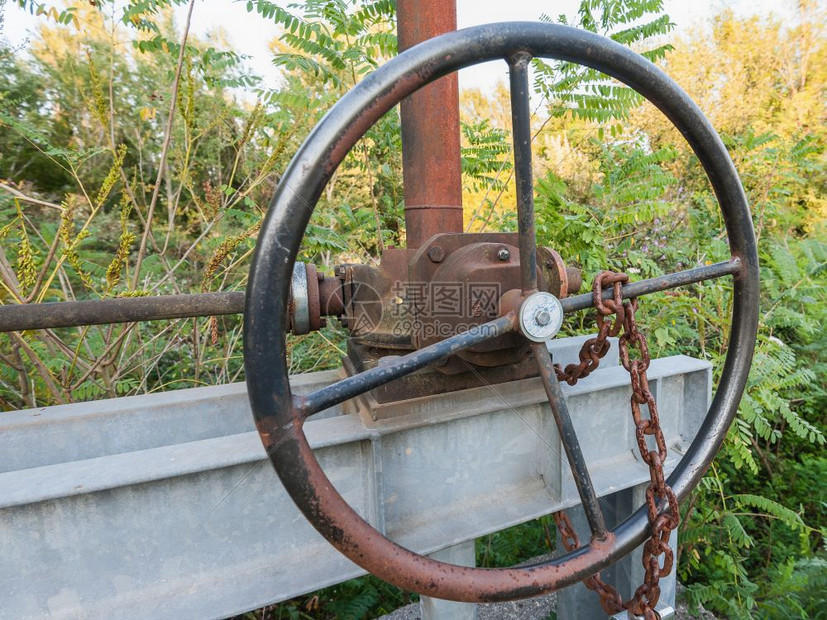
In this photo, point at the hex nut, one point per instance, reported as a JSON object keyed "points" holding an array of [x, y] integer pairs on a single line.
{"points": [[436, 253]]}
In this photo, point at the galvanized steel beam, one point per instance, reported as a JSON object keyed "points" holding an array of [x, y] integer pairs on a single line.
{"points": [[163, 505]]}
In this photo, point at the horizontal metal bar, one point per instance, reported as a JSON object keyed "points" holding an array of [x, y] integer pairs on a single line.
{"points": [[21, 317], [654, 285], [404, 365]]}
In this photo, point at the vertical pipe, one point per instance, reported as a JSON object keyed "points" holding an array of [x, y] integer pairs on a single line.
{"points": [[430, 131]]}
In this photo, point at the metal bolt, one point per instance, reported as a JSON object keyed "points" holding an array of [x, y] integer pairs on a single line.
{"points": [[503, 254], [436, 253], [540, 316]]}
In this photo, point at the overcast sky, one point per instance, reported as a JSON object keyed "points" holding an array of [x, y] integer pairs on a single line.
{"points": [[250, 34]]}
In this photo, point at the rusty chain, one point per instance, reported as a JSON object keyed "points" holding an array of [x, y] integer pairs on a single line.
{"points": [[646, 596], [594, 349]]}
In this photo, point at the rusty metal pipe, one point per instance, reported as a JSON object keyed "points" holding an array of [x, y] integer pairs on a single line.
{"points": [[21, 317], [365, 381], [119, 310], [431, 166]]}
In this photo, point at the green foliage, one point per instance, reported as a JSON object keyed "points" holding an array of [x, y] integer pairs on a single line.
{"points": [[758, 522], [64, 17], [796, 590], [367, 597], [325, 47], [357, 599], [586, 93], [141, 14], [516, 544], [87, 175], [334, 40], [484, 155], [616, 217]]}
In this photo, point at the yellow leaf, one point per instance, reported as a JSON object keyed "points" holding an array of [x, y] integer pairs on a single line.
{"points": [[147, 113]]}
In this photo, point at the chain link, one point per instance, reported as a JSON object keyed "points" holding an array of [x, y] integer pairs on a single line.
{"points": [[594, 349], [646, 596]]}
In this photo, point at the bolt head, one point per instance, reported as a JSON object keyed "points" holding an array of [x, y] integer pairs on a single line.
{"points": [[436, 253], [540, 316], [503, 254]]}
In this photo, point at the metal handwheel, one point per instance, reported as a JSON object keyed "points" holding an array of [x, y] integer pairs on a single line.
{"points": [[279, 415]]}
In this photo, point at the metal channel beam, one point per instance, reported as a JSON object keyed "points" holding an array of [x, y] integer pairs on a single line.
{"points": [[163, 507]]}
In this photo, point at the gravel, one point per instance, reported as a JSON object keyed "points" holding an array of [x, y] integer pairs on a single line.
{"points": [[538, 608], [530, 609]]}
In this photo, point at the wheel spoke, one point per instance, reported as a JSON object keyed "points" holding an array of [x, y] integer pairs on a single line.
{"points": [[568, 438], [661, 283], [521, 131], [359, 384]]}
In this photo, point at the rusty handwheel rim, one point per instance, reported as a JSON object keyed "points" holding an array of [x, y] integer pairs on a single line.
{"points": [[279, 424]]}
